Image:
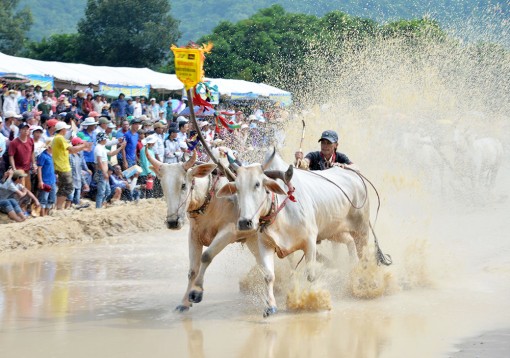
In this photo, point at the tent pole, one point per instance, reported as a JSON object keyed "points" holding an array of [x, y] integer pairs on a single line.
{"points": [[227, 171]]}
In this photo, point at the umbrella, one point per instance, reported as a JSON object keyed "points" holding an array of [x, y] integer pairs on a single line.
{"points": [[14, 78], [208, 112]]}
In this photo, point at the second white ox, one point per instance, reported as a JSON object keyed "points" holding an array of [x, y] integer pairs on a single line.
{"points": [[331, 204]]}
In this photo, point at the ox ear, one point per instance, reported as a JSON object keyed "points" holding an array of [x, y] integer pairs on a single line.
{"points": [[273, 186], [227, 190], [202, 170]]}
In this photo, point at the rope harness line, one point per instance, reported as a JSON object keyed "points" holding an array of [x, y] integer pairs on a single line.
{"points": [[381, 258], [211, 187], [266, 220]]}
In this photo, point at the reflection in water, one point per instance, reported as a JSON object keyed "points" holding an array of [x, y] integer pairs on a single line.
{"points": [[123, 295]]}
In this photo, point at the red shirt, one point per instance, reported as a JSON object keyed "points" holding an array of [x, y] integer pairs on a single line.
{"points": [[87, 106], [22, 153]]}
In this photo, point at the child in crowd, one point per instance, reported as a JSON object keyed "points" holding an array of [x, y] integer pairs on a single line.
{"points": [[47, 180]]}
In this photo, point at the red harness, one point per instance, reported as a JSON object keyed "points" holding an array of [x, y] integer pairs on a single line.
{"points": [[266, 220]]}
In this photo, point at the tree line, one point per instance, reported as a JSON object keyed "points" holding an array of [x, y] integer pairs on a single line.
{"points": [[271, 46]]}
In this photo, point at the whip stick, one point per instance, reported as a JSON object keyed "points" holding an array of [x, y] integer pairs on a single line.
{"points": [[298, 162], [227, 171]]}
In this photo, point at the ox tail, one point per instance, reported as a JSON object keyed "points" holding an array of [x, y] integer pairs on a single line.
{"points": [[381, 258]]}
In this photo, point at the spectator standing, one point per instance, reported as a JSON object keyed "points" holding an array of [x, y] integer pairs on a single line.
{"points": [[131, 140], [182, 136], [101, 176], [137, 108], [153, 110], [147, 175], [8, 128], [38, 94], [61, 150], [39, 143], [47, 180], [11, 102], [159, 146], [173, 153], [78, 170], [145, 107], [119, 107], [87, 105], [22, 154], [44, 106], [130, 107], [50, 128], [88, 134], [90, 90], [98, 103]]}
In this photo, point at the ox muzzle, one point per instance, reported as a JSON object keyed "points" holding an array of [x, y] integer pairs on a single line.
{"points": [[245, 225], [174, 223]]}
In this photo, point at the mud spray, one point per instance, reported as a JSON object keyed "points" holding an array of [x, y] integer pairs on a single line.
{"points": [[412, 117]]}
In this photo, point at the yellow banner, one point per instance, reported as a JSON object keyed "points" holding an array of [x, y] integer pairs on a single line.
{"points": [[189, 65]]}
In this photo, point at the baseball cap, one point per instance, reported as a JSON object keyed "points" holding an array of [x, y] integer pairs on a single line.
{"points": [[36, 128], [329, 135], [28, 115], [18, 174], [61, 125], [94, 114], [23, 125], [101, 136], [103, 120], [51, 122], [76, 141], [11, 114]]}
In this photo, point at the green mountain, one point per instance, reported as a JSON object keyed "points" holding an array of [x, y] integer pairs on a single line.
{"points": [[199, 17]]}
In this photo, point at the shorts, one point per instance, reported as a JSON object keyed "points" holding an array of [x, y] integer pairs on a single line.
{"points": [[47, 198], [8, 205], [65, 183]]}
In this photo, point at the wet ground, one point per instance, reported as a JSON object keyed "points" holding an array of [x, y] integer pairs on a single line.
{"points": [[115, 298]]}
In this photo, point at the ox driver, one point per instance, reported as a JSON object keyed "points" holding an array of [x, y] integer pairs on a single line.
{"points": [[327, 157]]}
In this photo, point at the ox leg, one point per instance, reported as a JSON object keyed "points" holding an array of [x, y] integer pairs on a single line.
{"points": [[195, 250], [220, 241], [311, 258], [267, 262]]}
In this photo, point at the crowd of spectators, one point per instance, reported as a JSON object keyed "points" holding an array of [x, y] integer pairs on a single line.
{"points": [[56, 150]]}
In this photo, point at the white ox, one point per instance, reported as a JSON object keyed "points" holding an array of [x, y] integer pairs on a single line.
{"points": [[322, 211], [191, 191]]}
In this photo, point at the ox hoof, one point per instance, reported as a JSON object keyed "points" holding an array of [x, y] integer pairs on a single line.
{"points": [[269, 311], [181, 308], [195, 296]]}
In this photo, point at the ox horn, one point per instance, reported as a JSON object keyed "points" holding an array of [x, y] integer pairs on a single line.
{"points": [[155, 163], [280, 174], [191, 161], [269, 160]]}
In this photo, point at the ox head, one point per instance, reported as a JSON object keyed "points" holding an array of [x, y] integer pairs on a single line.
{"points": [[176, 181], [252, 187]]}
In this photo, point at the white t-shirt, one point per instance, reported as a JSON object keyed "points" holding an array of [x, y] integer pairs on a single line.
{"points": [[137, 112], [100, 151]]}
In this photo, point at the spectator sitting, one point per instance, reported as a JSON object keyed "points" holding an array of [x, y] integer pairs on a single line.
{"points": [[22, 194], [10, 205], [127, 186]]}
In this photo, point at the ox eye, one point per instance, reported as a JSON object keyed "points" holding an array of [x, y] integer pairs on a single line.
{"points": [[257, 185], [183, 186]]}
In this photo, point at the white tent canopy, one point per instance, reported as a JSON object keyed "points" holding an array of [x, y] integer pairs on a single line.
{"points": [[125, 76]]}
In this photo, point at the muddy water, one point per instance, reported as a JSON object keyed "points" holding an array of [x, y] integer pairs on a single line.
{"points": [[115, 297]]}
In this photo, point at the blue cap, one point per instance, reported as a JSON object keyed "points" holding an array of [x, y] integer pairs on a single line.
{"points": [[329, 135]]}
